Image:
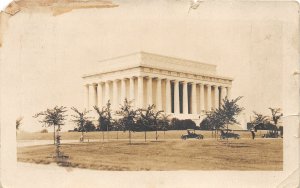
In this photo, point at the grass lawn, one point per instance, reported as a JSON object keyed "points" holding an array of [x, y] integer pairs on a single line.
{"points": [[172, 134], [243, 154]]}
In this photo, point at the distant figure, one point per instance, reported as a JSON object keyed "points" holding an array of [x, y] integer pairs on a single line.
{"points": [[253, 133], [81, 138]]}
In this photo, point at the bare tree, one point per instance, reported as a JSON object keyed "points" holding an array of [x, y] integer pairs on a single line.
{"points": [[276, 115]]}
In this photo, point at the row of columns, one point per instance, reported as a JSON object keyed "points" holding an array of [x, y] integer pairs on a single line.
{"points": [[98, 90]]}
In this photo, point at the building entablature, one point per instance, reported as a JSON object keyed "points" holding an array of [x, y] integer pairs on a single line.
{"points": [[158, 73]]}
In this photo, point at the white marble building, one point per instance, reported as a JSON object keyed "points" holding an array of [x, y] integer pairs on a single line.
{"points": [[183, 88]]}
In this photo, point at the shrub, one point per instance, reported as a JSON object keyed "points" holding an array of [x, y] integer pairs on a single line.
{"points": [[44, 131], [177, 124], [205, 125]]}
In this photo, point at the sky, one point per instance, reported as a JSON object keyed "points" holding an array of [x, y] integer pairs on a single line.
{"points": [[53, 52]]}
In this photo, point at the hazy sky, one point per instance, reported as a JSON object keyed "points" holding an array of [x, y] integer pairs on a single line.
{"points": [[245, 42]]}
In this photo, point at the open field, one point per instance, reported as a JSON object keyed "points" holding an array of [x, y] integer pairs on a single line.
{"points": [[172, 134], [243, 154]]}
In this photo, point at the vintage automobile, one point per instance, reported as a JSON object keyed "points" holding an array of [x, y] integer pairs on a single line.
{"points": [[191, 134], [229, 134]]}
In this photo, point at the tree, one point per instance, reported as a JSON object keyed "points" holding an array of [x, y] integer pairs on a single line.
{"points": [[228, 112], [276, 115], [146, 118], [259, 120], [89, 126], [128, 117], [53, 117], [164, 122], [80, 119], [156, 116], [225, 115], [104, 118], [101, 119]]}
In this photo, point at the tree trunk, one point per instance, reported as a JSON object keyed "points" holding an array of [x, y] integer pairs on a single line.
{"points": [[164, 134], [156, 134], [107, 131], [145, 135], [54, 134], [117, 135]]}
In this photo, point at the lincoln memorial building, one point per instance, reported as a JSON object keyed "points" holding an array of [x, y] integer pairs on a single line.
{"points": [[183, 88]]}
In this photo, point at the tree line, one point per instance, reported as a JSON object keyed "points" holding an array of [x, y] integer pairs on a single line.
{"points": [[130, 119]]}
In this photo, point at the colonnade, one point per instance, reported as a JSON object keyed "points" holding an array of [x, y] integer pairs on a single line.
{"points": [[176, 96]]}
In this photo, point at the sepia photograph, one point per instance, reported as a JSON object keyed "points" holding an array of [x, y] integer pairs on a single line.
{"points": [[168, 93]]}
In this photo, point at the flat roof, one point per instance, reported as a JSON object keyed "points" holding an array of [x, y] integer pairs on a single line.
{"points": [[156, 61]]}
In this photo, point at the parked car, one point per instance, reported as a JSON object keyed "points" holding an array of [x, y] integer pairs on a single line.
{"points": [[191, 134], [229, 134]]}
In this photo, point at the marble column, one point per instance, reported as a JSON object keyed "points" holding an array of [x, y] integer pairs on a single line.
{"points": [[208, 97], [95, 97], [176, 97], [216, 97], [194, 100], [140, 91], [107, 96], [131, 90], [201, 98], [149, 91], [115, 102], [123, 90], [185, 97], [168, 96], [99, 93], [87, 96], [158, 95], [223, 93], [229, 92]]}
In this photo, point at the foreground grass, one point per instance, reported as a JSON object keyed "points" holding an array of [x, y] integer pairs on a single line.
{"points": [[244, 154]]}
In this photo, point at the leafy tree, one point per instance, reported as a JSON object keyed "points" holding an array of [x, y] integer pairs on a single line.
{"points": [[156, 116], [206, 125], [116, 125], [104, 118], [80, 119], [228, 112], [164, 122], [89, 126], [128, 117], [259, 120], [225, 115], [146, 118], [53, 117]]}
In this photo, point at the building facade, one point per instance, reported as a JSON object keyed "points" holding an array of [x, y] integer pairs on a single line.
{"points": [[182, 88]]}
